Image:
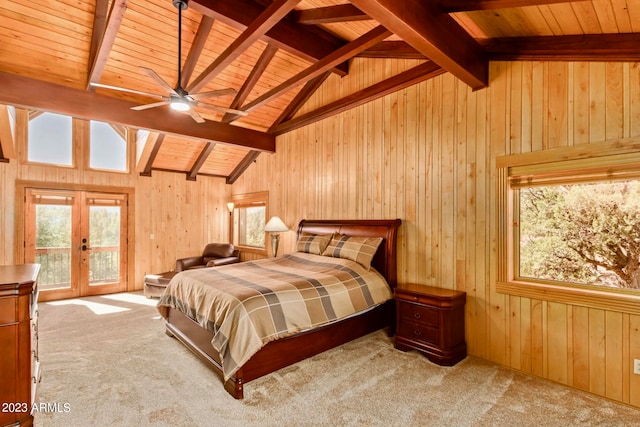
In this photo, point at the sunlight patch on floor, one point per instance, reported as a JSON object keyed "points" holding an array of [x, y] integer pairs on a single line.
{"points": [[132, 298], [96, 307]]}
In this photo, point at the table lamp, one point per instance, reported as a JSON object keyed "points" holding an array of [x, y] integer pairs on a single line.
{"points": [[275, 226]]}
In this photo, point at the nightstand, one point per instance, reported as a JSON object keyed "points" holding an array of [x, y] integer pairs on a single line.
{"points": [[431, 320]]}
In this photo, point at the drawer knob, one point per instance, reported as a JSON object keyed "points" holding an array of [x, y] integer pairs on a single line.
{"points": [[417, 332], [417, 315]]}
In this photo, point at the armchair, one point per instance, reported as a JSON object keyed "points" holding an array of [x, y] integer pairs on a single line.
{"points": [[214, 254]]}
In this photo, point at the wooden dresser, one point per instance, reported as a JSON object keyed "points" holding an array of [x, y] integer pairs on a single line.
{"points": [[431, 320], [19, 364]]}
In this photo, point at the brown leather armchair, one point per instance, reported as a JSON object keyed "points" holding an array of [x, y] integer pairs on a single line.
{"points": [[214, 254]]}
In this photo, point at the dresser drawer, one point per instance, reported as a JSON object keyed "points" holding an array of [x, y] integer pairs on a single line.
{"points": [[418, 313], [418, 332]]}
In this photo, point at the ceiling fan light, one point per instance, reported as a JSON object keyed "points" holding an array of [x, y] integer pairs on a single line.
{"points": [[179, 105]]}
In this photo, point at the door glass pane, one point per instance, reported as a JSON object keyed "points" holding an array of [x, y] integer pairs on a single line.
{"points": [[53, 246], [104, 237]]}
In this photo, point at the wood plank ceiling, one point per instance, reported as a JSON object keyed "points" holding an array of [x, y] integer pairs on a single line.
{"points": [[274, 54]]}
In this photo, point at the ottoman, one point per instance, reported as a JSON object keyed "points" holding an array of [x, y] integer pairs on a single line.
{"points": [[155, 284]]}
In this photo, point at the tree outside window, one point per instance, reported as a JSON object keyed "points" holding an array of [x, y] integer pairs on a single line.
{"points": [[249, 218], [581, 233], [251, 222], [568, 225]]}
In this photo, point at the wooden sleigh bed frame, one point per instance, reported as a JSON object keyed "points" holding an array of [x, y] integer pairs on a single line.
{"points": [[287, 351]]}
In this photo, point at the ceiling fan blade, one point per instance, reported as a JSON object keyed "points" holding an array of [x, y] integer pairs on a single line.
{"points": [[159, 80], [124, 89], [214, 93], [153, 105], [194, 115], [220, 109]]}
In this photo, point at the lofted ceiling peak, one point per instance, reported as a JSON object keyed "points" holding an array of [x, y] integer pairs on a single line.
{"points": [[260, 61]]}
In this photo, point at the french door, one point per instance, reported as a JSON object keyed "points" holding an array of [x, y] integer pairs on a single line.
{"points": [[79, 239]]}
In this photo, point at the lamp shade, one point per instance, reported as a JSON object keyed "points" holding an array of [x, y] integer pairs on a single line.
{"points": [[230, 206], [275, 225]]}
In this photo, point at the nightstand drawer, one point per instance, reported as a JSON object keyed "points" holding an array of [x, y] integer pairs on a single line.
{"points": [[418, 332], [418, 313], [431, 320]]}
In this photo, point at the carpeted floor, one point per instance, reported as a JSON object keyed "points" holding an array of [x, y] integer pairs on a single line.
{"points": [[106, 361]]}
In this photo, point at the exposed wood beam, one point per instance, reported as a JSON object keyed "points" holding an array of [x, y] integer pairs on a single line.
{"points": [[301, 97], [330, 14], [255, 74], [7, 142], [144, 148], [120, 130], [242, 166], [451, 6], [254, 32], [394, 49], [434, 33], [150, 151], [400, 81], [98, 62], [586, 47], [99, 27], [204, 154], [310, 43], [206, 23], [35, 94], [363, 42]]}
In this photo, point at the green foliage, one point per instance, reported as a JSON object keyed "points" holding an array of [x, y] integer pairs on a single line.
{"points": [[251, 221], [104, 226], [53, 234], [254, 231], [582, 233], [53, 226]]}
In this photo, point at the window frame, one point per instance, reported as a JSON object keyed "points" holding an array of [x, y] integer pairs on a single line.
{"points": [[80, 143], [247, 200], [615, 159]]}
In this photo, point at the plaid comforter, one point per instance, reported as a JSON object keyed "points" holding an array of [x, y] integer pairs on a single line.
{"points": [[247, 305]]}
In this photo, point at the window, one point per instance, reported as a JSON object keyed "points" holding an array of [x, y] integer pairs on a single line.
{"points": [[50, 139], [249, 218], [579, 233], [569, 226], [108, 148]]}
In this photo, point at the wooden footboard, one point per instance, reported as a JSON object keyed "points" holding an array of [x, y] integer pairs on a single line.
{"points": [[283, 352]]}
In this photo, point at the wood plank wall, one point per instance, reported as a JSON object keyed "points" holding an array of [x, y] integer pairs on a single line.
{"points": [[183, 216], [427, 155]]}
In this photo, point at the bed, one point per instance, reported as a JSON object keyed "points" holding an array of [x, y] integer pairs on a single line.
{"points": [[185, 304]]}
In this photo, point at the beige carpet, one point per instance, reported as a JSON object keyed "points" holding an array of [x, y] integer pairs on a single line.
{"points": [[118, 368]]}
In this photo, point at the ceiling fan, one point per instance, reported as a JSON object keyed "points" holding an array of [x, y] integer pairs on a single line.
{"points": [[178, 98]]}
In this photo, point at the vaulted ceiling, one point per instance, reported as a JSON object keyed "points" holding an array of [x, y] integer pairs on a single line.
{"points": [[70, 56]]}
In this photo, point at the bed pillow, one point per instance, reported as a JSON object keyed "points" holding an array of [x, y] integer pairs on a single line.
{"points": [[358, 249], [312, 243]]}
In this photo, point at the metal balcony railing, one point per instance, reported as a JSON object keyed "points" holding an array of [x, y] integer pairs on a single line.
{"points": [[55, 266]]}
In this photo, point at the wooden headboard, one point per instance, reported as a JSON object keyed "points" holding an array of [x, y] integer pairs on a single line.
{"points": [[385, 258]]}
